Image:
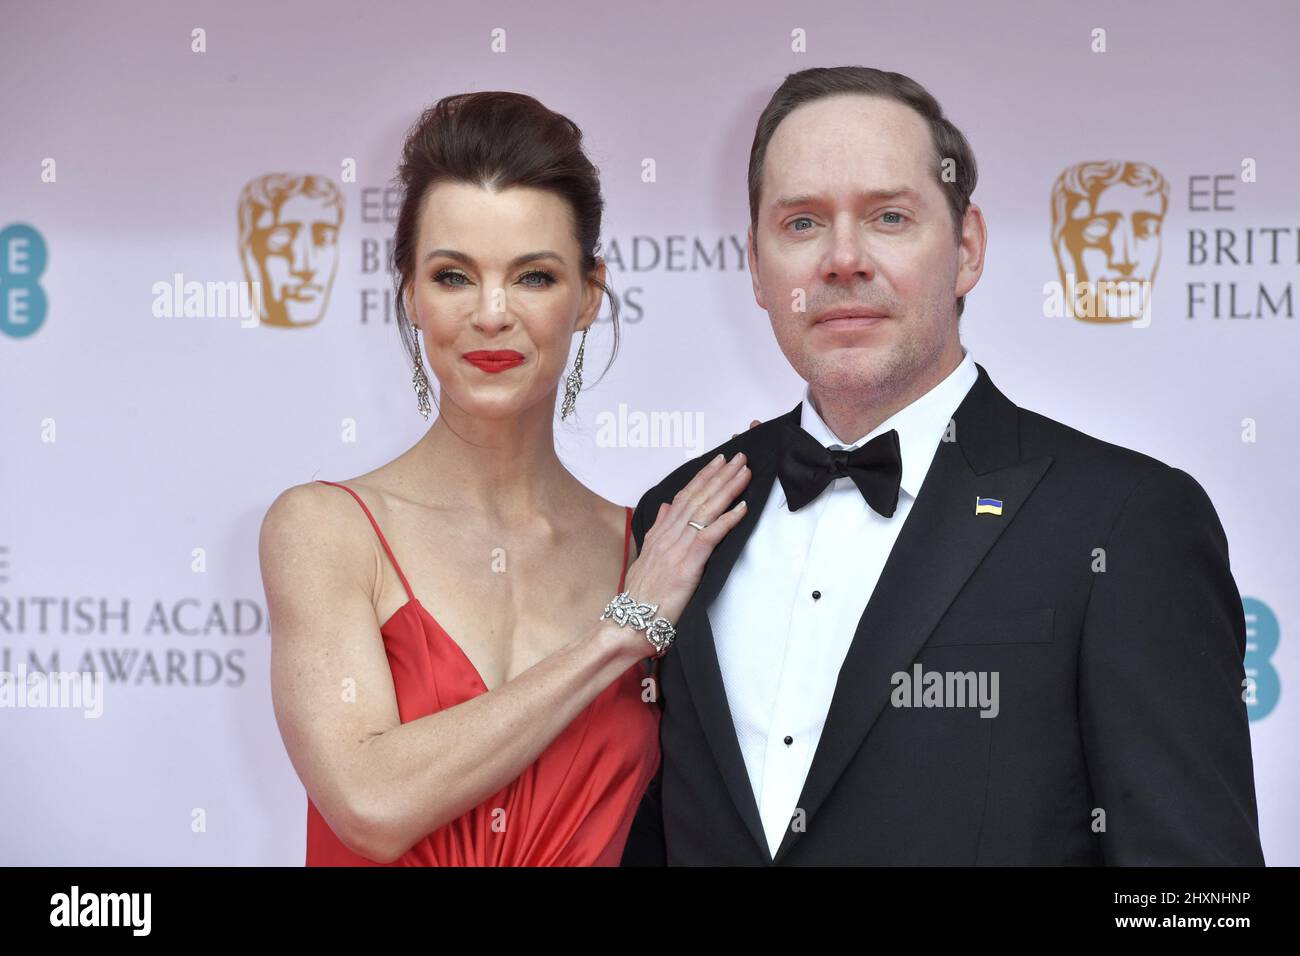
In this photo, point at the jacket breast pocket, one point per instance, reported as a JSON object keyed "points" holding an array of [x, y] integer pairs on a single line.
{"points": [[1032, 625]]}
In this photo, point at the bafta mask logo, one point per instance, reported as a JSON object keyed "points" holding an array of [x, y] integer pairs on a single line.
{"points": [[1106, 221], [289, 245]]}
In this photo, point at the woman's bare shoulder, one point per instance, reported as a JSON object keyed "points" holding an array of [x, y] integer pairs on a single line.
{"points": [[316, 528], [314, 504]]}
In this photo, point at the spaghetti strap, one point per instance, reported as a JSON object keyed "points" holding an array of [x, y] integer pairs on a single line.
{"points": [[382, 540], [627, 549]]}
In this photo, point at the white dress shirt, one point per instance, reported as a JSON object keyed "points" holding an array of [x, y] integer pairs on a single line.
{"points": [[779, 648]]}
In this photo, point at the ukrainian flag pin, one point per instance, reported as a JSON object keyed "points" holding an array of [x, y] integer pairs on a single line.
{"points": [[988, 506]]}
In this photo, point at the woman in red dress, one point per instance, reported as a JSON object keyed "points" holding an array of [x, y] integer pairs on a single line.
{"points": [[468, 704]]}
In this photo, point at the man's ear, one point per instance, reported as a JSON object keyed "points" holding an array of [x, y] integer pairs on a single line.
{"points": [[752, 254], [591, 296], [970, 256]]}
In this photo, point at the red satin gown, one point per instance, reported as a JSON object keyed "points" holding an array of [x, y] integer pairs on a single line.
{"points": [[572, 807]]}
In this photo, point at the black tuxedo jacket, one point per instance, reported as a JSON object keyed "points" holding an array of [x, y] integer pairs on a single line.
{"points": [[1121, 735]]}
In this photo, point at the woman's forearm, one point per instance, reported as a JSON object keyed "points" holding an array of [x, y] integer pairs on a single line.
{"points": [[409, 780]]}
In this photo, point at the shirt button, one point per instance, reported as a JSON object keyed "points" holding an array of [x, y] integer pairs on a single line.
{"points": [[817, 595], [789, 740]]}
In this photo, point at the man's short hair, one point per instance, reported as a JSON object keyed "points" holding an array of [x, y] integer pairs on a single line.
{"points": [[817, 83]]}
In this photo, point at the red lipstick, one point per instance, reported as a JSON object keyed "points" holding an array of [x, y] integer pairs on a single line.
{"points": [[495, 360]]}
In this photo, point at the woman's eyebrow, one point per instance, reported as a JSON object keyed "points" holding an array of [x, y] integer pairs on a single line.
{"points": [[516, 261]]}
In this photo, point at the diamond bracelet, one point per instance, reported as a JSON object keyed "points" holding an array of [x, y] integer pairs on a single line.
{"points": [[627, 612]]}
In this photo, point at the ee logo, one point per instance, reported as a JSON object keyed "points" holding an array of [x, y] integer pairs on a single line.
{"points": [[1262, 685], [22, 261]]}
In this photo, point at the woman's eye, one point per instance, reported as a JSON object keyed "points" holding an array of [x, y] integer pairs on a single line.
{"points": [[537, 278], [447, 274]]}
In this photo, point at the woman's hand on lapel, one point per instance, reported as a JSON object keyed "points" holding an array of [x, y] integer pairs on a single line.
{"points": [[674, 553]]}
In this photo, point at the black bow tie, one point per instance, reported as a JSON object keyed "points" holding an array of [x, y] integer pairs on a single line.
{"points": [[806, 467]]}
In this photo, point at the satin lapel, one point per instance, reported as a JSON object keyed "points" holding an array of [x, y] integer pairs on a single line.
{"points": [[695, 649], [941, 543]]}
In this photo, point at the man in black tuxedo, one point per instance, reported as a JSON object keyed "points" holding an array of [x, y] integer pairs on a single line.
{"points": [[948, 630]]}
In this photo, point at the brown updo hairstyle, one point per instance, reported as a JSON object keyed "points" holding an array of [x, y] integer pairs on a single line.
{"points": [[495, 140]]}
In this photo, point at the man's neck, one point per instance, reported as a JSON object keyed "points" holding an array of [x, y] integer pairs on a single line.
{"points": [[852, 414]]}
